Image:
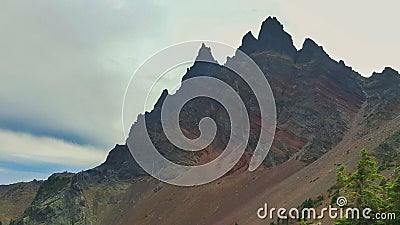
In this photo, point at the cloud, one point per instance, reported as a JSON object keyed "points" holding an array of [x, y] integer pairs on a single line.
{"points": [[64, 65], [23, 147], [28, 155]]}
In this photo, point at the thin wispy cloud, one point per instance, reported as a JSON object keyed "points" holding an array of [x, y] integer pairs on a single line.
{"points": [[24, 153], [26, 147]]}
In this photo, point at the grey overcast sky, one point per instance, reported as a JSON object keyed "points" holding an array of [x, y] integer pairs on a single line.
{"points": [[64, 65]]}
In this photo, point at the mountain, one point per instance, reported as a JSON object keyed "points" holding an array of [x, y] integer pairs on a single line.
{"points": [[271, 38], [15, 198], [326, 112]]}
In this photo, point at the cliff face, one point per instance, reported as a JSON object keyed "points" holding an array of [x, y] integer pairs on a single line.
{"points": [[317, 99], [88, 197]]}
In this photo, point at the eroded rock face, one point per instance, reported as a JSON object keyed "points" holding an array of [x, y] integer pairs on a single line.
{"points": [[57, 202], [316, 100], [119, 165], [382, 91], [84, 198]]}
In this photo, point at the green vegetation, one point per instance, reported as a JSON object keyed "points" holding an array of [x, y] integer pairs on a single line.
{"points": [[54, 184], [393, 198], [312, 203], [366, 188], [388, 152], [303, 222]]}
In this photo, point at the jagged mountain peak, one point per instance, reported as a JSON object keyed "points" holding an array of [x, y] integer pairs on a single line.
{"points": [[311, 44], [388, 79], [390, 70], [273, 37], [311, 51], [249, 36], [271, 24], [249, 43], [386, 73], [205, 64], [205, 54]]}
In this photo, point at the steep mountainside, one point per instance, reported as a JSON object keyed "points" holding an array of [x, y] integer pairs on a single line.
{"points": [[15, 198], [326, 111]]}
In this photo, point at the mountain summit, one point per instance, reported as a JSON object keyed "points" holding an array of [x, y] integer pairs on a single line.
{"points": [[311, 51], [205, 54], [272, 37]]}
